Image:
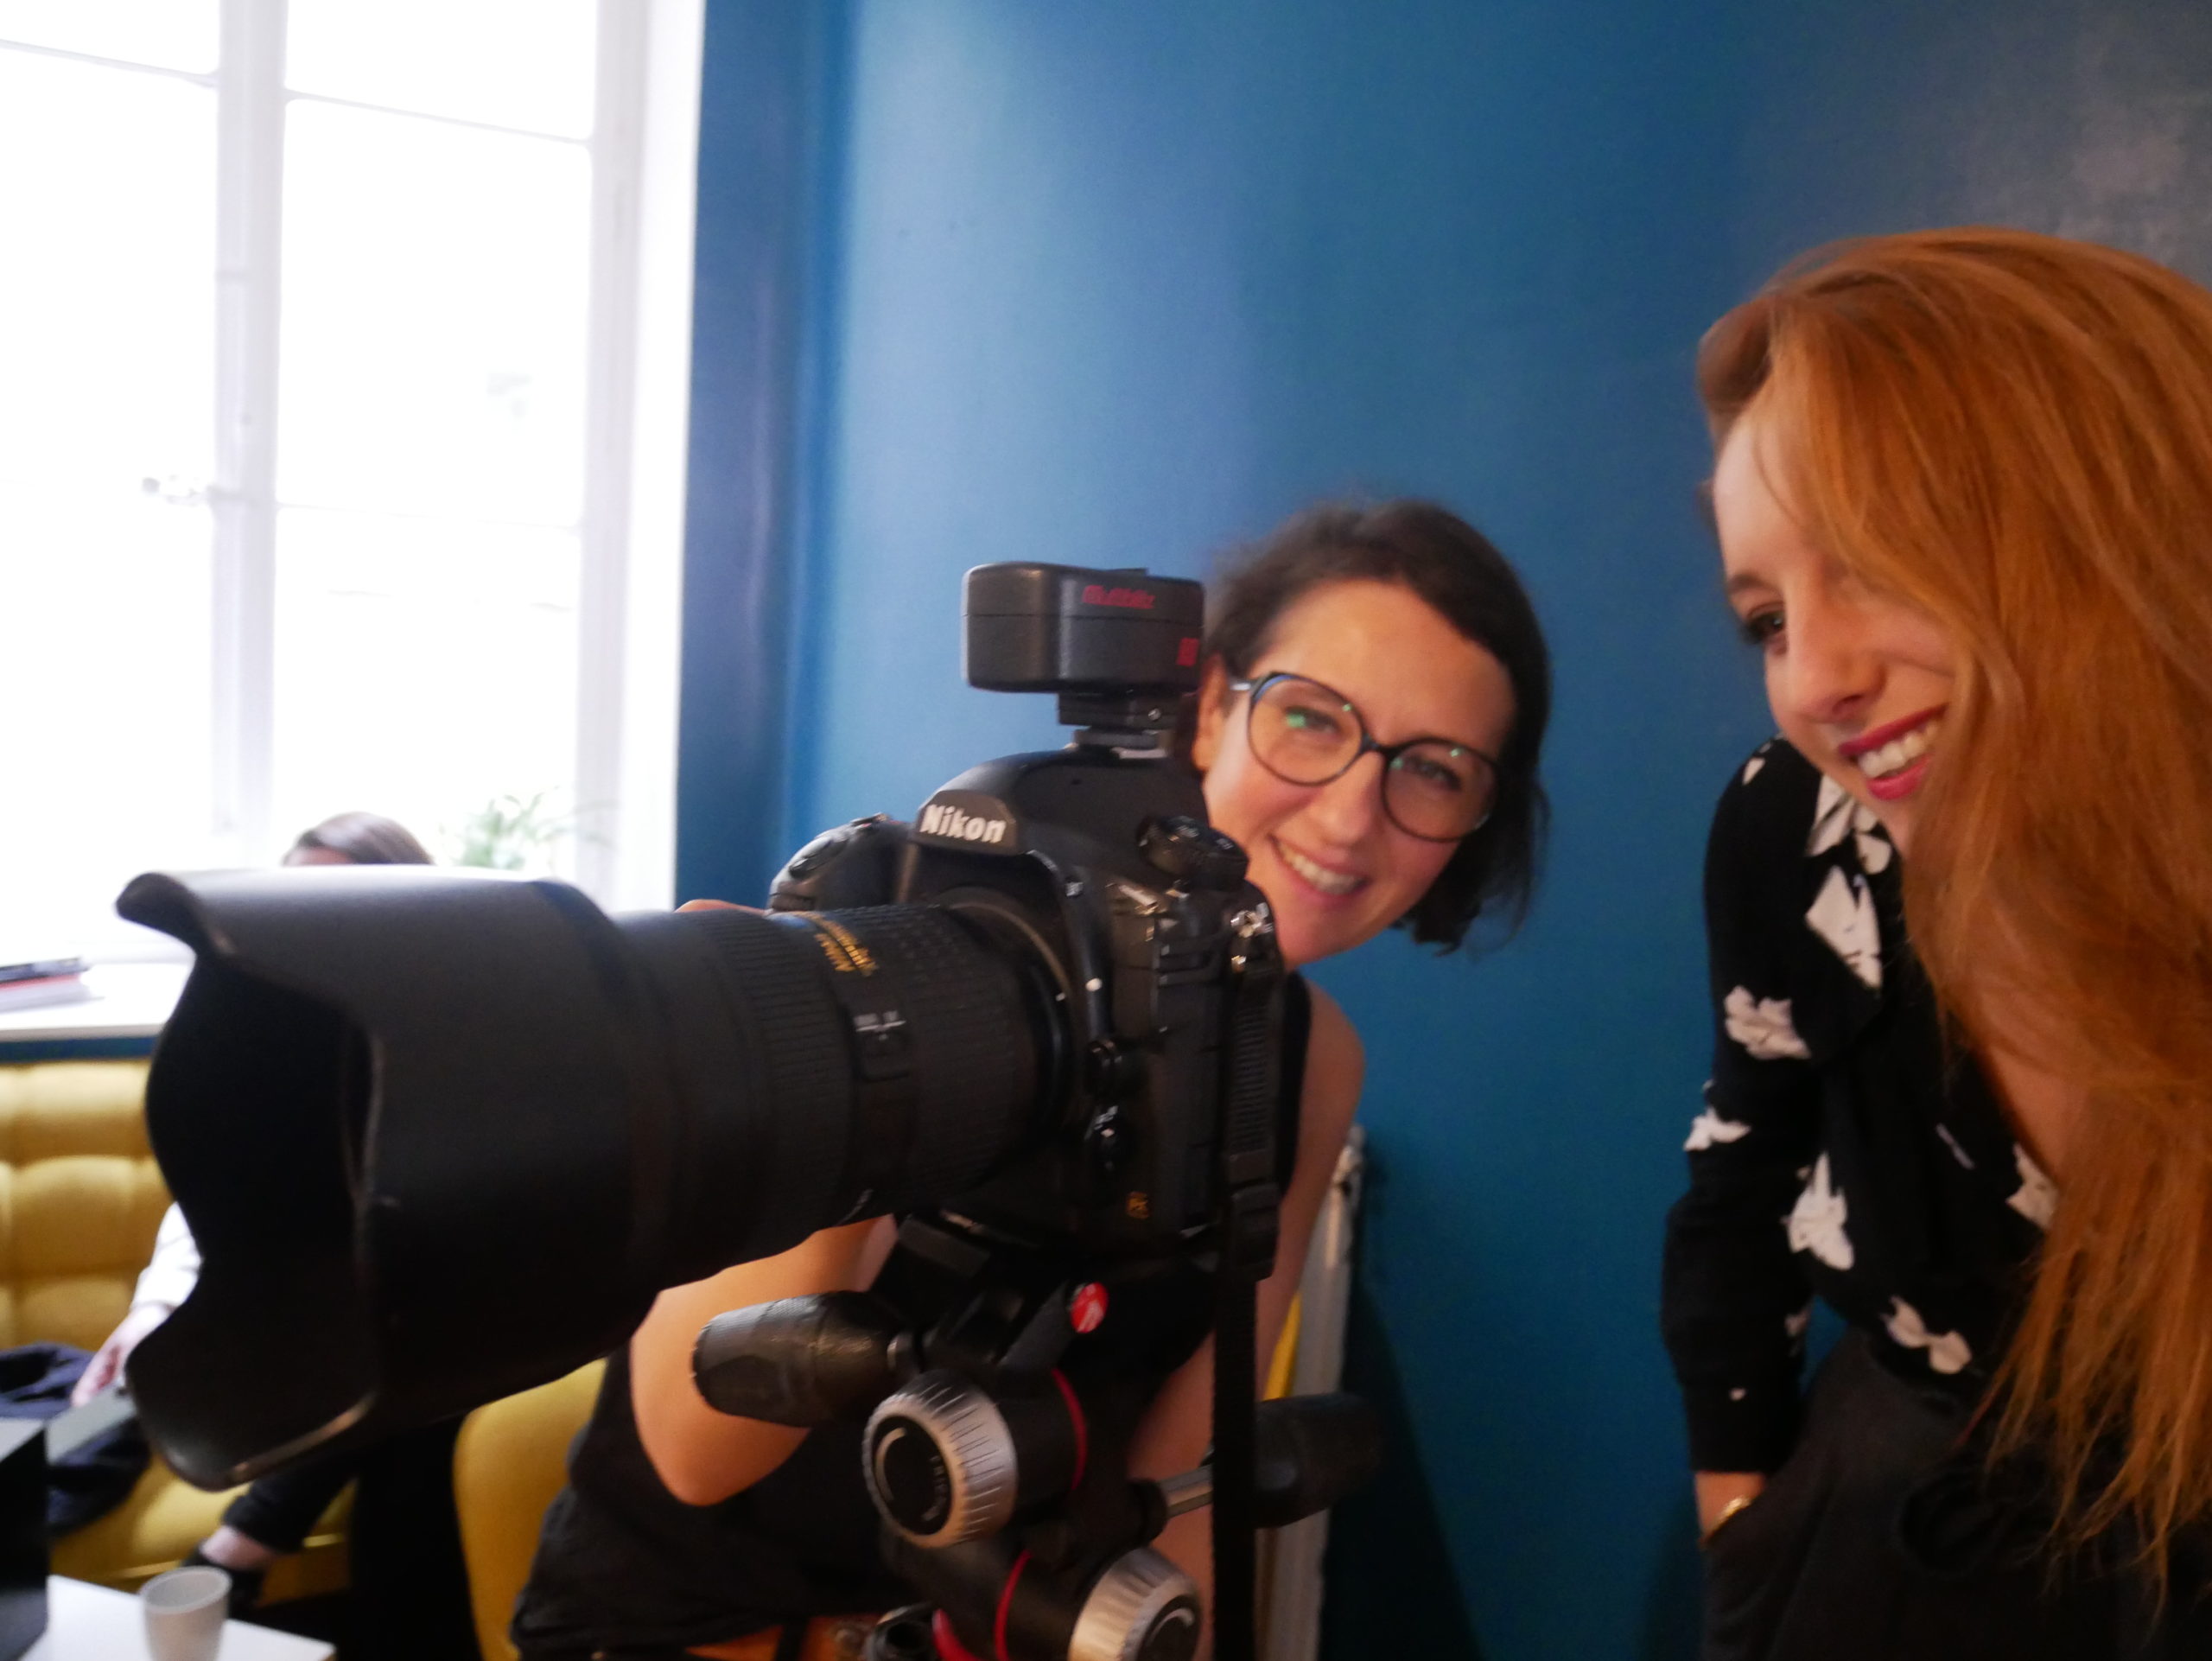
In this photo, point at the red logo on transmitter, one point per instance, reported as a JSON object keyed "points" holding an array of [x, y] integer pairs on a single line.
{"points": [[1097, 593], [1186, 651], [1087, 1308]]}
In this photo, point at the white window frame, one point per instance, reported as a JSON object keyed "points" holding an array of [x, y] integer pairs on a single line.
{"points": [[643, 152], [631, 606]]}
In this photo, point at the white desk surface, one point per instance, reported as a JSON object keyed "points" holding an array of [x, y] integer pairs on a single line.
{"points": [[85, 1622], [134, 1000]]}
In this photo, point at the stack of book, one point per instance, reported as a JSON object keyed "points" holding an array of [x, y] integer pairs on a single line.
{"points": [[55, 980]]}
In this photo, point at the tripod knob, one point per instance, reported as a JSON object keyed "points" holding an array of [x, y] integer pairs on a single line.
{"points": [[997, 1603], [904, 1635], [1143, 1609], [941, 1462], [946, 1461]]}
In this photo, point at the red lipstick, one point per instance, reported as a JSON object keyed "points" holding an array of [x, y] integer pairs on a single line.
{"points": [[1851, 749]]}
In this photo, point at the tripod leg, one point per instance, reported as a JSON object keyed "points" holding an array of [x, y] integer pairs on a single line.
{"points": [[1234, 1542]]}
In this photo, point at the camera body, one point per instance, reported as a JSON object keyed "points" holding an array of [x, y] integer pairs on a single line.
{"points": [[1154, 952], [1095, 864]]}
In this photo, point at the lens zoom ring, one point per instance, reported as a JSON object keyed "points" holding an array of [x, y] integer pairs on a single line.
{"points": [[804, 1090], [977, 1062]]}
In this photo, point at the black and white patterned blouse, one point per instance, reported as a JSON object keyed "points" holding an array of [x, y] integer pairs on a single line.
{"points": [[1846, 1149]]}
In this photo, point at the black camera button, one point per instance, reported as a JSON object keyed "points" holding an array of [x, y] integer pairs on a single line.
{"points": [[1112, 1072], [1109, 1143], [1192, 852]]}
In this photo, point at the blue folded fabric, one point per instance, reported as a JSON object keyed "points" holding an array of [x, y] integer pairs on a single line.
{"points": [[98, 1472]]}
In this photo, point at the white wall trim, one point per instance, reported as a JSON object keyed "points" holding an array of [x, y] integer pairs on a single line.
{"points": [[249, 250], [634, 851]]}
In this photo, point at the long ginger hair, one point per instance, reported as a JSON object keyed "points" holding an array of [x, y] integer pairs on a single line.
{"points": [[2014, 432]]}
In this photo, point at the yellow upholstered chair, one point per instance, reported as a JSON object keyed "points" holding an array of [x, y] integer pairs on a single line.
{"points": [[511, 1459], [80, 1199]]}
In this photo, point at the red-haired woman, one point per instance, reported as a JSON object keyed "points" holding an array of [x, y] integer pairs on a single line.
{"points": [[1963, 488]]}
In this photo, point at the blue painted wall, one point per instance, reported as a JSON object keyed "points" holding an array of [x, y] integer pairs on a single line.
{"points": [[1128, 280], [770, 148]]}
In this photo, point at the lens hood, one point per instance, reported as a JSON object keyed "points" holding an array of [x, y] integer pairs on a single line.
{"points": [[352, 1043]]}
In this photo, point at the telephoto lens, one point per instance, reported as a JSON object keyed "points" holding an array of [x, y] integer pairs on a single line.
{"points": [[441, 1135]]}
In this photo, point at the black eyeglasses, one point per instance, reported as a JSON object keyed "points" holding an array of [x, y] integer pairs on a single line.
{"points": [[1308, 733]]}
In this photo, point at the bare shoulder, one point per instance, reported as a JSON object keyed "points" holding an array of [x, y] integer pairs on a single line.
{"points": [[1335, 1064]]}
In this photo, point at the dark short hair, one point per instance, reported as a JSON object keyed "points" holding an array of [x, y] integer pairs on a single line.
{"points": [[364, 838], [1446, 562]]}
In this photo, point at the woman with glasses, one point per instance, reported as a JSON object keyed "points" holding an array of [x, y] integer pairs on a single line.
{"points": [[1375, 698], [1959, 917], [1396, 633]]}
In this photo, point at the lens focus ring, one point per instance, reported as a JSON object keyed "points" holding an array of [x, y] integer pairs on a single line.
{"points": [[941, 1462]]}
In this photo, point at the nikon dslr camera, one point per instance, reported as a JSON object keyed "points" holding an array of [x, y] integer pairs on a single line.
{"points": [[443, 1136]]}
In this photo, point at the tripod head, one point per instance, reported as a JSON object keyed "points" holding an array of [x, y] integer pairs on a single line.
{"points": [[1001, 1395]]}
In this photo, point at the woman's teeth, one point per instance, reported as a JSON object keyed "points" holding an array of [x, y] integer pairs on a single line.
{"points": [[1321, 876], [1899, 754]]}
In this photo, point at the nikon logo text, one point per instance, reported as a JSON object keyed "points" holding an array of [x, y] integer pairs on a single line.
{"points": [[939, 820]]}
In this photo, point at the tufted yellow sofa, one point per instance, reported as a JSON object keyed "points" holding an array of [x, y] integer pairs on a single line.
{"points": [[80, 1198]]}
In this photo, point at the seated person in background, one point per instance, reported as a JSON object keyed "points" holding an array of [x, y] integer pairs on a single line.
{"points": [[1960, 918], [411, 1594], [358, 839], [1374, 701]]}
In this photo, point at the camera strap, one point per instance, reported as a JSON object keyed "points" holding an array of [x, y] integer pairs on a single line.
{"points": [[1250, 1218]]}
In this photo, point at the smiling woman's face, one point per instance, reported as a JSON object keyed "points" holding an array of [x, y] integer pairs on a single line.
{"points": [[1858, 680], [1335, 870]]}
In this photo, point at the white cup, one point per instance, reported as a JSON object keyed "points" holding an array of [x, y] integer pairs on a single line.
{"points": [[185, 1611]]}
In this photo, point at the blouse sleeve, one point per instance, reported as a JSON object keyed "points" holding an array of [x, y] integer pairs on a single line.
{"points": [[1735, 1299], [174, 1270]]}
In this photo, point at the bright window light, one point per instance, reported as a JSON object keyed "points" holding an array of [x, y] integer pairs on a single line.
{"points": [[526, 64], [436, 293], [160, 34], [320, 366], [107, 354], [427, 669]]}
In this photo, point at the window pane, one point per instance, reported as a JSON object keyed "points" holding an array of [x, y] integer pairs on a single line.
{"points": [[169, 33], [423, 671], [510, 63], [107, 309], [106, 378], [103, 628], [436, 283]]}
